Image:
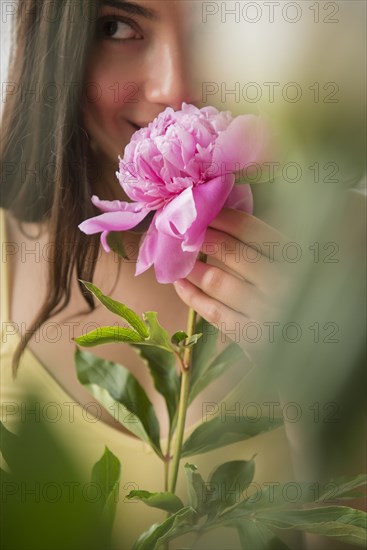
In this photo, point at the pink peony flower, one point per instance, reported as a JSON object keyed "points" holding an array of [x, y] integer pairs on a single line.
{"points": [[182, 168]]}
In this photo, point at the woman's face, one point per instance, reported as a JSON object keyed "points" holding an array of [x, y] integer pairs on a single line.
{"points": [[139, 65]]}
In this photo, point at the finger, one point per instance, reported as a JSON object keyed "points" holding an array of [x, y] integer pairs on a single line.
{"points": [[231, 323], [229, 290], [250, 230], [212, 310], [241, 259]]}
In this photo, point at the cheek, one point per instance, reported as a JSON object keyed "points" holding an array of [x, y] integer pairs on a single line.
{"points": [[109, 95], [110, 88]]}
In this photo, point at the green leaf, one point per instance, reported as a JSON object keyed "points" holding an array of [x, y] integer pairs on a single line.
{"points": [[116, 243], [9, 445], [212, 370], [203, 351], [118, 391], [277, 495], [181, 340], [108, 335], [196, 488], [255, 536], [158, 335], [5, 477], [191, 341], [219, 432], [228, 482], [120, 309], [340, 522], [342, 487], [106, 474], [178, 337], [37, 458], [176, 525], [162, 367], [164, 501]]}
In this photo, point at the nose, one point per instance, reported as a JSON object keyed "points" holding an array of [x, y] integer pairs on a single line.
{"points": [[170, 78]]}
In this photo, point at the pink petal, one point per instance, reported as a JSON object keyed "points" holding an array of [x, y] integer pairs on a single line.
{"points": [[178, 215], [112, 221], [116, 206], [187, 144], [172, 151], [246, 141], [146, 249], [241, 198], [165, 252], [209, 198]]}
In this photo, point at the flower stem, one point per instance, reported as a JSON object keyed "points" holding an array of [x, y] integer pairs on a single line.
{"points": [[183, 403], [167, 460], [191, 319], [185, 386]]}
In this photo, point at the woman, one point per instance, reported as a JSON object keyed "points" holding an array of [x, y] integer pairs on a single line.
{"points": [[84, 77], [125, 65]]}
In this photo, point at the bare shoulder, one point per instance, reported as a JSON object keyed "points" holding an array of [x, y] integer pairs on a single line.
{"points": [[26, 274]]}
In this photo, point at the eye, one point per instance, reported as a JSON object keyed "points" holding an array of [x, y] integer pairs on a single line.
{"points": [[116, 29]]}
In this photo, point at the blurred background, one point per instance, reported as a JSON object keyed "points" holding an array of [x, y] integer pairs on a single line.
{"points": [[303, 65]]}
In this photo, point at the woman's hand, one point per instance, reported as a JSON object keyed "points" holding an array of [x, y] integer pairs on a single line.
{"points": [[238, 290]]}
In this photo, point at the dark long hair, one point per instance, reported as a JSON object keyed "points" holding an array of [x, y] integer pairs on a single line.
{"points": [[47, 164]]}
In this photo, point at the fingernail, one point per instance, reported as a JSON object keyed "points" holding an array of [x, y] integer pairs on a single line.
{"points": [[180, 284]]}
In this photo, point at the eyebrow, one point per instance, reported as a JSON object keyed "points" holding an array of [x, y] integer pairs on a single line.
{"points": [[131, 8]]}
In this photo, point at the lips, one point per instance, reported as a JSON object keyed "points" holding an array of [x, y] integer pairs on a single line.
{"points": [[135, 126], [139, 125]]}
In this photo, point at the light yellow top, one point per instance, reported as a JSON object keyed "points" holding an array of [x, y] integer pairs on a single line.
{"points": [[85, 439]]}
